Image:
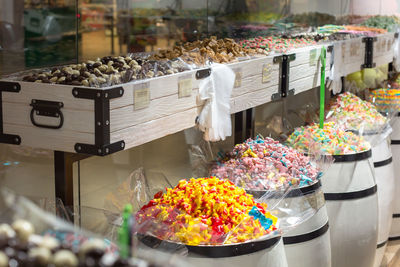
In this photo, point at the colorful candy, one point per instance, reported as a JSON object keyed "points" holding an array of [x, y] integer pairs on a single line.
{"points": [[353, 113], [205, 211], [266, 164], [385, 100], [331, 140]]}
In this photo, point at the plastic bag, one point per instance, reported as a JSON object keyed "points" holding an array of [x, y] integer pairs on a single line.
{"points": [[354, 114], [214, 119], [49, 237], [265, 164]]}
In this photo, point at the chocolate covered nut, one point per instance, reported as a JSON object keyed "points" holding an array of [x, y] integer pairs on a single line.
{"points": [[75, 72], [102, 68], [101, 80], [23, 229], [97, 72], [49, 242], [92, 245], [7, 231], [65, 258], [41, 255], [3, 259], [85, 82]]}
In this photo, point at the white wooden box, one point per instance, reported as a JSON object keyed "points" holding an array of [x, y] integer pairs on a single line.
{"points": [[305, 70], [101, 121]]}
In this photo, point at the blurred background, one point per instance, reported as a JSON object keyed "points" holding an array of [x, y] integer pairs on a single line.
{"points": [[40, 33]]}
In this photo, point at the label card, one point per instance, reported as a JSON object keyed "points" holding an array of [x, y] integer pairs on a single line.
{"points": [[141, 96], [185, 86], [313, 56], [266, 73], [238, 77]]}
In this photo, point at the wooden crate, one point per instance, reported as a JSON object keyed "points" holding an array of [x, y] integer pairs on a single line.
{"points": [[305, 70], [106, 120]]}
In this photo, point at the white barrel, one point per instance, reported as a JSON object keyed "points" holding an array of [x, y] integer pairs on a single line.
{"points": [[310, 236], [350, 192], [395, 229], [265, 253], [384, 175]]}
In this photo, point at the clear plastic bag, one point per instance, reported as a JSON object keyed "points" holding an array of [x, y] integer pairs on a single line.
{"points": [[50, 236]]}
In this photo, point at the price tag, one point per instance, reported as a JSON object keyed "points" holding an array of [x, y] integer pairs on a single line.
{"points": [[266, 73], [185, 86], [343, 51], [313, 56], [238, 77], [141, 96], [389, 45], [354, 49]]}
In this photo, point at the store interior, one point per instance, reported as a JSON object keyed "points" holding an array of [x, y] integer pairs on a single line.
{"points": [[212, 73]]}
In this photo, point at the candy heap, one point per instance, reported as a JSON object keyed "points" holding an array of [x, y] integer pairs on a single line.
{"points": [[355, 114], [385, 100], [276, 44], [205, 211], [330, 140], [107, 71], [213, 49], [20, 246], [266, 164]]}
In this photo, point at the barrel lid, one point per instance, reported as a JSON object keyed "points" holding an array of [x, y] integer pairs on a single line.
{"points": [[305, 190], [353, 157], [210, 251]]}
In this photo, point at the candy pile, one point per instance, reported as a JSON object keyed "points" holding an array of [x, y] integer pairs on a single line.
{"points": [[266, 164], [20, 246], [355, 114], [213, 49], [107, 71], [276, 44], [385, 100], [330, 140], [205, 211]]}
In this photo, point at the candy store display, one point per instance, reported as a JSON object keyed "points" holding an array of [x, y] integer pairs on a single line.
{"points": [[212, 49], [266, 164], [107, 71], [331, 140], [353, 113], [276, 44], [205, 211], [385, 99]]}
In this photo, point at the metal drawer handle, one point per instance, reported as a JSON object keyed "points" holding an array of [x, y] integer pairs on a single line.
{"points": [[48, 109]]}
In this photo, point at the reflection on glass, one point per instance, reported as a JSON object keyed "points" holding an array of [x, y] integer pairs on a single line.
{"points": [[36, 33]]}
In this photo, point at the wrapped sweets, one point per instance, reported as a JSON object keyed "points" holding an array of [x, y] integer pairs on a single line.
{"points": [[276, 44], [330, 140], [21, 246], [266, 164], [355, 114], [205, 211], [385, 100], [107, 71]]}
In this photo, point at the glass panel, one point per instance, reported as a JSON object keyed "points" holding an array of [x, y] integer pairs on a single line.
{"points": [[130, 26], [36, 33]]}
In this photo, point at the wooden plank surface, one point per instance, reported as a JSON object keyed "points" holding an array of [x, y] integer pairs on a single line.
{"points": [[151, 130], [47, 139]]}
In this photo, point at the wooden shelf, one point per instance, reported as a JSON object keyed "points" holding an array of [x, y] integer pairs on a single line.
{"points": [[167, 113]]}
